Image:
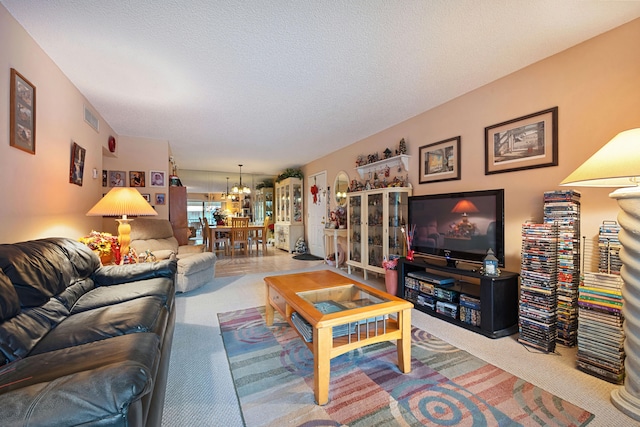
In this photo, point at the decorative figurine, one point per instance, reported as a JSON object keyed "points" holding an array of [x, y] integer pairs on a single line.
{"points": [[490, 264], [402, 149]]}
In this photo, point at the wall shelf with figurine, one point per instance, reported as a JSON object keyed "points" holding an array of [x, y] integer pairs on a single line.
{"points": [[391, 162]]}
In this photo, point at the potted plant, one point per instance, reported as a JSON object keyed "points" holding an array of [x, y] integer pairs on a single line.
{"points": [[391, 274], [218, 216], [105, 245]]}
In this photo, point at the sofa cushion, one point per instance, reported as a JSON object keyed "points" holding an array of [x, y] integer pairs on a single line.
{"points": [[9, 302], [162, 288], [20, 334], [95, 381], [146, 314], [152, 234], [40, 269]]}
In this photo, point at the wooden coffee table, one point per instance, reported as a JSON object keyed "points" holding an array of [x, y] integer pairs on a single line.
{"points": [[354, 315]]}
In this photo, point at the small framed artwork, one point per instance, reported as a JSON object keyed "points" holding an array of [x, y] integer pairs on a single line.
{"points": [[117, 178], [105, 178], [527, 142], [158, 178], [76, 171], [136, 179], [440, 161], [147, 197], [23, 113], [161, 198]]}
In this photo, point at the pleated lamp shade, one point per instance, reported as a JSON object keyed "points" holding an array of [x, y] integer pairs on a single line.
{"points": [[122, 201]]}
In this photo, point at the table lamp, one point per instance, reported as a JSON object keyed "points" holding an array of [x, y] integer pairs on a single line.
{"points": [[123, 201], [617, 164], [465, 206]]}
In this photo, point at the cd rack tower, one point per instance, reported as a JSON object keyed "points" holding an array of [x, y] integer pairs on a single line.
{"points": [[562, 208], [600, 319], [538, 283]]}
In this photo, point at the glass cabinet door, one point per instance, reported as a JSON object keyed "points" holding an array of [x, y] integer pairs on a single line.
{"points": [[354, 218], [375, 215], [398, 211], [279, 204], [287, 204], [296, 190]]}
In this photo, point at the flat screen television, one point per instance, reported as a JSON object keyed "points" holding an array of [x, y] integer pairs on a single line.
{"points": [[458, 226]]}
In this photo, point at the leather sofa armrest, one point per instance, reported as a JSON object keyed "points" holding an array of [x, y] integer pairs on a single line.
{"points": [[117, 274]]}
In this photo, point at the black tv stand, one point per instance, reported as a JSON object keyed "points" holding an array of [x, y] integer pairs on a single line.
{"points": [[498, 296]]}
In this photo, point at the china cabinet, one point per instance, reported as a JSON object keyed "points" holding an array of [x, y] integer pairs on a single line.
{"points": [[263, 206], [178, 214], [289, 221], [375, 219]]}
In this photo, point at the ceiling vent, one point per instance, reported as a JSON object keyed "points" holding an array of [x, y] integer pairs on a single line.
{"points": [[90, 118]]}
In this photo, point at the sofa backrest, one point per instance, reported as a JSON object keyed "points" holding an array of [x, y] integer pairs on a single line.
{"points": [[40, 269], [39, 281], [152, 234]]}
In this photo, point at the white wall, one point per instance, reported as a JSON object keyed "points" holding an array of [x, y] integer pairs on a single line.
{"points": [[36, 197], [596, 87]]}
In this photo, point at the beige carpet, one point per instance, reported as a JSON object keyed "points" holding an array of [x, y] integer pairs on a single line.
{"points": [[200, 389]]}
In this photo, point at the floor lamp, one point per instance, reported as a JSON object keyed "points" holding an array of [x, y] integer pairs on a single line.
{"points": [[123, 201], [617, 164]]}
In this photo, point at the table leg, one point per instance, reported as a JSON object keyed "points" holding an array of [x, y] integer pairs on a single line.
{"points": [[335, 248], [404, 344], [268, 308], [322, 343]]}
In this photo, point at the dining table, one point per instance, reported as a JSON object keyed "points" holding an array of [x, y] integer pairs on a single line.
{"points": [[253, 230]]}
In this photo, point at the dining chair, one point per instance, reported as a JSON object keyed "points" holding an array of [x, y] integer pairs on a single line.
{"points": [[206, 234], [239, 234], [262, 236], [217, 239]]}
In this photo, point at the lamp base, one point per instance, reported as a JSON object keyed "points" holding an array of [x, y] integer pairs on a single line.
{"points": [[627, 398], [626, 403], [124, 235]]}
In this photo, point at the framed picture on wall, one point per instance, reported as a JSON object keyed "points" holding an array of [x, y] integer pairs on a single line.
{"points": [[22, 120], [117, 178], [147, 197], [524, 143], [158, 178], [76, 170], [440, 161], [161, 198], [136, 179]]}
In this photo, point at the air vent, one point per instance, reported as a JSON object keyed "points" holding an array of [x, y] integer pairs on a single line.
{"points": [[90, 118]]}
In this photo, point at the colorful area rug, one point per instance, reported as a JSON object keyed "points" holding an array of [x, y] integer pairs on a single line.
{"points": [[273, 374]]}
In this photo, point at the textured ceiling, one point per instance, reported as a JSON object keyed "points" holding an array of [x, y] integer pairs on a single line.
{"points": [[276, 84]]}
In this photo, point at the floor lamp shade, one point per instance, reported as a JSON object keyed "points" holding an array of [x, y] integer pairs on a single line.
{"points": [[122, 202], [617, 164]]}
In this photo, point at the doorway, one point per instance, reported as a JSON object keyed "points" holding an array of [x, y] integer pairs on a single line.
{"points": [[316, 214]]}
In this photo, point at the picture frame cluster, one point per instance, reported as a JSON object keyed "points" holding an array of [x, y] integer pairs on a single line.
{"points": [[138, 179], [523, 143]]}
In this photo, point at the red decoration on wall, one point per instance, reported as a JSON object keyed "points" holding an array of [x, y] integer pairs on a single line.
{"points": [[314, 192]]}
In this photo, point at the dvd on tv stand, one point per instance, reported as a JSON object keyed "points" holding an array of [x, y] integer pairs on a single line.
{"points": [[498, 295]]}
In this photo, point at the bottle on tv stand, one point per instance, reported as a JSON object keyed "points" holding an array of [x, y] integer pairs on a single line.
{"points": [[497, 295]]}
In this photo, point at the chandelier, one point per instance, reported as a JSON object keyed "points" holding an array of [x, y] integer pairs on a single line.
{"points": [[238, 189], [229, 196]]}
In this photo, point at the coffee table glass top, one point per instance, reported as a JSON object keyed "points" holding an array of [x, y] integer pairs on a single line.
{"points": [[340, 298]]}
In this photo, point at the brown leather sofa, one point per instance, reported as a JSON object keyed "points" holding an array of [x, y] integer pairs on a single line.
{"points": [[81, 343]]}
